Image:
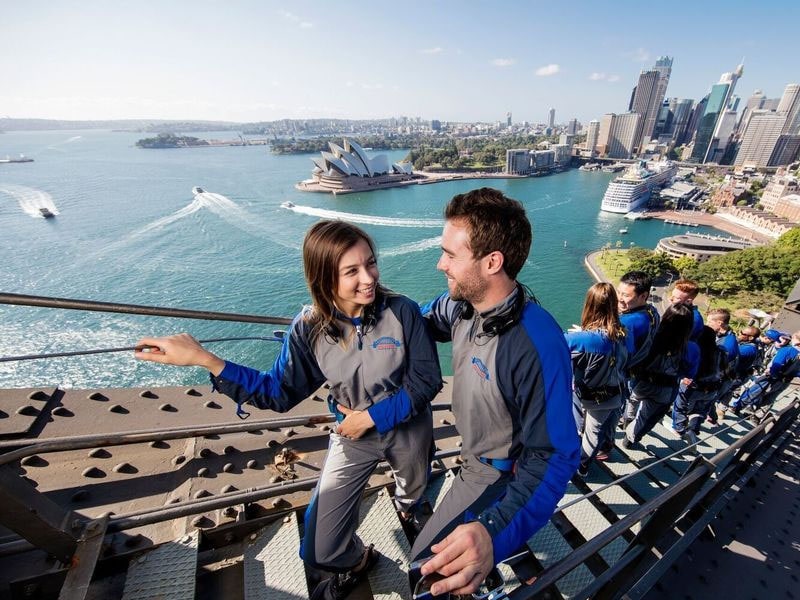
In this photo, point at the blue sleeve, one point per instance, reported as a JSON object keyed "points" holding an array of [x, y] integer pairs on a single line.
{"points": [[439, 314], [541, 392], [294, 376], [422, 379], [697, 326]]}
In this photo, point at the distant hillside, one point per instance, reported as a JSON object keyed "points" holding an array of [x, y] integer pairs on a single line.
{"points": [[139, 125]]}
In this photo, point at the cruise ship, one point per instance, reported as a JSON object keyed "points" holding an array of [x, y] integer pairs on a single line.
{"points": [[632, 189]]}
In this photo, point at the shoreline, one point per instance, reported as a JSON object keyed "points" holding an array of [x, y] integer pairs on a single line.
{"points": [[709, 220]]}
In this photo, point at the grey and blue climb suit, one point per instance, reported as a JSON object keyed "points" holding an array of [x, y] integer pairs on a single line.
{"points": [[387, 366], [512, 403]]}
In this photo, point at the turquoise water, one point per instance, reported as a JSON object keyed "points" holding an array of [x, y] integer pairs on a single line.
{"points": [[128, 230]]}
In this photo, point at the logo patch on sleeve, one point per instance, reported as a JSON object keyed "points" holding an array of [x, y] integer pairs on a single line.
{"points": [[386, 343], [480, 368]]}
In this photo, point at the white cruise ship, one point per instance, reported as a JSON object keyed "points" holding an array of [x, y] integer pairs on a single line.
{"points": [[632, 189]]}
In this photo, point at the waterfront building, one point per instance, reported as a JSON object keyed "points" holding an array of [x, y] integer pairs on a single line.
{"points": [[518, 161], [551, 118], [543, 161], [633, 188], [720, 99], [760, 138], [616, 134], [347, 168], [562, 154], [776, 189], [766, 222], [592, 133], [680, 193], [699, 246], [788, 207]]}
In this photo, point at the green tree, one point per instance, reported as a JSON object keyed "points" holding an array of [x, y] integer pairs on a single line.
{"points": [[655, 265], [684, 264]]}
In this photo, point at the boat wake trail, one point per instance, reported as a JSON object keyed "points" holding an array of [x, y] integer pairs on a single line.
{"points": [[549, 206], [30, 200], [365, 219], [216, 203], [419, 246]]}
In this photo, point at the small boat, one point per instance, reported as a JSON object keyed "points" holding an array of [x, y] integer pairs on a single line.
{"points": [[45, 212], [197, 190], [624, 230], [287, 204]]}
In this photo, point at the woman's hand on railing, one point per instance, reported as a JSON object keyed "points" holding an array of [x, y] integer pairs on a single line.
{"points": [[181, 350]]}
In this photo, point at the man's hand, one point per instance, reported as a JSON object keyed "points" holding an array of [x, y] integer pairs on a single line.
{"points": [[464, 557], [356, 423]]}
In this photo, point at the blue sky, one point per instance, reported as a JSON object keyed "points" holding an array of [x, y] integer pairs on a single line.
{"points": [[251, 60]]}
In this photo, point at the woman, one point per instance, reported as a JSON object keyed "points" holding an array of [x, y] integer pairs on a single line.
{"points": [[599, 353], [373, 348], [671, 358]]}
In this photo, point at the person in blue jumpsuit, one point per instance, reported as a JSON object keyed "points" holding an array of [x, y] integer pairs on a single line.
{"points": [[750, 352], [685, 291], [672, 358], [599, 352], [719, 321], [373, 348], [512, 396], [640, 319]]}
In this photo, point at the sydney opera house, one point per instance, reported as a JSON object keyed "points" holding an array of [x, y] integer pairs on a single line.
{"points": [[349, 169]]}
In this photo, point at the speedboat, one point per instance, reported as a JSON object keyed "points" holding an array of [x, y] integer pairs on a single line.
{"points": [[287, 204], [197, 190], [624, 230], [45, 212]]}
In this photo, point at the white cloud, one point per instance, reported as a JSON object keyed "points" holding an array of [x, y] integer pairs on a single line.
{"points": [[436, 50], [613, 78], [639, 55], [503, 62], [548, 70], [289, 16], [597, 76]]}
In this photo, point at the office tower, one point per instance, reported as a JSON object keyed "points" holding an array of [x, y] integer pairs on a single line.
{"points": [[518, 161], [790, 104], [727, 125], [707, 138], [786, 150], [760, 138], [591, 137], [508, 120], [616, 134], [681, 113], [755, 102], [436, 124], [551, 118], [572, 126], [647, 98]]}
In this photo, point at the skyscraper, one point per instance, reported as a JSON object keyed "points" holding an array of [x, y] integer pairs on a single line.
{"points": [[790, 104], [760, 138], [572, 126], [592, 133], [508, 119], [707, 138], [648, 97], [551, 118], [616, 134]]}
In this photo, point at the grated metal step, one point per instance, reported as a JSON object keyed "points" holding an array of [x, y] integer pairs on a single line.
{"points": [[273, 569], [590, 523], [165, 573], [381, 526], [438, 487], [549, 546], [620, 502]]}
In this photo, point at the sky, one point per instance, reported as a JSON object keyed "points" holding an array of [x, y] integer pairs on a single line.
{"points": [[242, 60]]}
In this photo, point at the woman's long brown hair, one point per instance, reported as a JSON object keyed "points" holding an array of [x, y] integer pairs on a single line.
{"points": [[600, 311]]}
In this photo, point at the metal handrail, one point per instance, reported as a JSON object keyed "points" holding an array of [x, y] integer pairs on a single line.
{"points": [[137, 309]]}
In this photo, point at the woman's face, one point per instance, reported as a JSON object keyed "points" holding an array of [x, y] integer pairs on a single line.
{"points": [[357, 279]]}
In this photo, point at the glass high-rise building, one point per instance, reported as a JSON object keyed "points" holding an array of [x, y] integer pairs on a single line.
{"points": [[707, 138]]}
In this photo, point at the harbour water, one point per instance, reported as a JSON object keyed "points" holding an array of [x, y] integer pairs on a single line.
{"points": [[128, 229]]}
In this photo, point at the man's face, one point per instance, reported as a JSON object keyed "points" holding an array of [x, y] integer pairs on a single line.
{"points": [[628, 299], [679, 297], [465, 280]]}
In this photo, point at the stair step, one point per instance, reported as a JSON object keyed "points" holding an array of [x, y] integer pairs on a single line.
{"points": [[273, 569], [167, 572]]}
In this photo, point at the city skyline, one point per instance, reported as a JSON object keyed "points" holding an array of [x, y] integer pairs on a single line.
{"points": [[250, 61]]}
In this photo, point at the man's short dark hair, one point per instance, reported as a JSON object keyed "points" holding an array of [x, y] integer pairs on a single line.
{"points": [[640, 281], [495, 223]]}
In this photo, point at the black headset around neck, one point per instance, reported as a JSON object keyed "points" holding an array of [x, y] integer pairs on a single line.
{"points": [[368, 320], [499, 324]]}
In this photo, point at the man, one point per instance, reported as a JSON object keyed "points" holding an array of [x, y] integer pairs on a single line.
{"points": [[511, 396], [750, 352], [640, 319], [684, 292], [719, 320]]}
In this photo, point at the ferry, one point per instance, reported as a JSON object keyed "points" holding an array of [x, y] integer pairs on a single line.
{"points": [[632, 189], [198, 190], [22, 159]]}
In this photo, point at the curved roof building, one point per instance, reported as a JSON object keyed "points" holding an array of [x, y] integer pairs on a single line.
{"points": [[698, 246]]}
